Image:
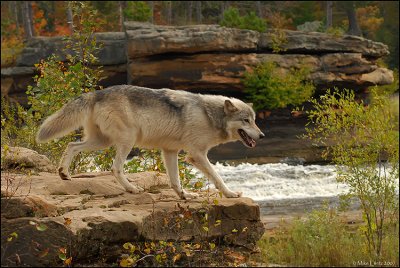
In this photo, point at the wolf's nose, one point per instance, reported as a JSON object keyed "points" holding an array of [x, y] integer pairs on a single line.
{"points": [[262, 135]]}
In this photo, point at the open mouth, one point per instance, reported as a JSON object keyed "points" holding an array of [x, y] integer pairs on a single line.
{"points": [[247, 140]]}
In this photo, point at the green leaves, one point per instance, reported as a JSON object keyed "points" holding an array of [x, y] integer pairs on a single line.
{"points": [[12, 236], [363, 143], [269, 88], [137, 11], [129, 247], [250, 21], [39, 226]]}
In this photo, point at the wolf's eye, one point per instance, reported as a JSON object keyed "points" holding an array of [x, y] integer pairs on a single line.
{"points": [[246, 120]]}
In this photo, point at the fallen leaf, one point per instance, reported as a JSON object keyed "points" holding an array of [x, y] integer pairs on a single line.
{"points": [[44, 253], [177, 257]]}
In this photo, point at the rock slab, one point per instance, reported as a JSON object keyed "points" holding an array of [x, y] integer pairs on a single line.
{"points": [[96, 216]]}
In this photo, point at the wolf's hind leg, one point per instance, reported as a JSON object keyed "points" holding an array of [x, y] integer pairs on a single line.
{"points": [[73, 148], [171, 163], [118, 167], [200, 161]]}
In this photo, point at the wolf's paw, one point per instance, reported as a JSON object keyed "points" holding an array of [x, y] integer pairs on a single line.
{"points": [[186, 195], [134, 189], [231, 194], [64, 174]]}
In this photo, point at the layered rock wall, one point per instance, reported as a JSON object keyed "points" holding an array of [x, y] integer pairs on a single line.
{"points": [[214, 58], [211, 58], [112, 56]]}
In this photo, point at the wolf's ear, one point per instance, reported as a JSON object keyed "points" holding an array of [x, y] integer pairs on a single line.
{"points": [[229, 107]]}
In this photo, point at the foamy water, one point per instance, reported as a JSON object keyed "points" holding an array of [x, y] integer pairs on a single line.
{"points": [[281, 181]]}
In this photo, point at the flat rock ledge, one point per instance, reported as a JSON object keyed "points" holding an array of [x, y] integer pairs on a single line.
{"points": [[215, 58], [94, 215]]}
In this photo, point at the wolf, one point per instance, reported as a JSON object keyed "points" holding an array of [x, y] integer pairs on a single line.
{"points": [[124, 116]]}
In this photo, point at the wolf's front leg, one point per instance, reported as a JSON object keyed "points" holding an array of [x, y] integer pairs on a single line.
{"points": [[200, 161], [171, 163], [118, 168]]}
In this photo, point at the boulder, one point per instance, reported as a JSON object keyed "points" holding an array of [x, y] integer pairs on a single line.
{"points": [[23, 158], [310, 26], [94, 214]]}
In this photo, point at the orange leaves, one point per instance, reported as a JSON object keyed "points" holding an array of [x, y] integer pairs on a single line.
{"points": [[39, 21], [62, 29], [369, 18], [67, 221]]}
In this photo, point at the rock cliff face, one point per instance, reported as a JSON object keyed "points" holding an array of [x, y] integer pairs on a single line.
{"points": [[214, 58], [14, 80], [103, 216], [211, 58]]}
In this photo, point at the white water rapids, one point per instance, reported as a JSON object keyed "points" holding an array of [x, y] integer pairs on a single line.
{"points": [[281, 181]]}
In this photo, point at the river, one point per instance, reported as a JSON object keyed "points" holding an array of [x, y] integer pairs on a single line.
{"points": [[281, 188]]}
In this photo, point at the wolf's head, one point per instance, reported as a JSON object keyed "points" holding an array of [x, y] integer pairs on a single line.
{"points": [[240, 122]]}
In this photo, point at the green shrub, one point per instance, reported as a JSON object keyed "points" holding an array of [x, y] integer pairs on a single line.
{"points": [[363, 141], [269, 88], [322, 239], [137, 11], [250, 21], [318, 240], [335, 31], [59, 82]]}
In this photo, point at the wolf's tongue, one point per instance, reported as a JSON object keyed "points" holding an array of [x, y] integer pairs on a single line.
{"points": [[252, 143], [247, 139]]}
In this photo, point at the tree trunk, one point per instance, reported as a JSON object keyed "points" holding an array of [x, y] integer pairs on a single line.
{"points": [[354, 29], [329, 5], [70, 19], [198, 12], [189, 11], [30, 13], [258, 6], [14, 11], [28, 27], [169, 12]]}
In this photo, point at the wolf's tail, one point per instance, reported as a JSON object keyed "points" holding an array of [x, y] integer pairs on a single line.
{"points": [[70, 117]]}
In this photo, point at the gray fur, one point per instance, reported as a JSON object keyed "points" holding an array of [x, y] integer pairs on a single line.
{"points": [[125, 116]]}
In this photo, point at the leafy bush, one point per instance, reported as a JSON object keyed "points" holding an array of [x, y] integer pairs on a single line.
{"points": [[59, 82], [269, 88], [11, 48], [336, 31], [322, 239], [365, 149], [137, 11], [250, 21]]}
